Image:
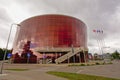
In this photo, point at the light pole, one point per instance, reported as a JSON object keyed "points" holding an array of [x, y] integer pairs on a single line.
{"points": [[73, 53], [2, 63]]}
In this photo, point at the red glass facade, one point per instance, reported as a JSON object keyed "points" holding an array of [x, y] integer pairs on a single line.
{"points": [[52, 31]]}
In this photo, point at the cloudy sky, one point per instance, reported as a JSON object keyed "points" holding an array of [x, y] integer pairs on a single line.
{"points": [[97, 14]]}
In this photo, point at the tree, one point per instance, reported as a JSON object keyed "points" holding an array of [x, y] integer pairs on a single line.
{"points": [[116, 55], [1, 54], [2, 51]]}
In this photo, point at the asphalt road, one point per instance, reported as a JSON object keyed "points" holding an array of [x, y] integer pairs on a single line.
{"points": [[109, 70], [38, 71]]}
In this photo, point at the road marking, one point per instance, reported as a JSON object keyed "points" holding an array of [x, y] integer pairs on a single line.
{"points": [[3, 74], [79, 71]]}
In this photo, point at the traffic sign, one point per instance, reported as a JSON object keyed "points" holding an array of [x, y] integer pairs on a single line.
{"points": [[9, 55], [28, 54]]}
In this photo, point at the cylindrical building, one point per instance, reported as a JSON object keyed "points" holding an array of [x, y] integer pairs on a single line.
{"points": [[53, 36]]}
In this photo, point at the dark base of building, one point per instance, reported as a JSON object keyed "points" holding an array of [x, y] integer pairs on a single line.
{"points": [[51, 57], [24, 60], [47, 57]]}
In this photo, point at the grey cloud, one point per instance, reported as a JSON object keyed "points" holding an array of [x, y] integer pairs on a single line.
{"points": [[97, 14], [4, 16], [5, 20]]}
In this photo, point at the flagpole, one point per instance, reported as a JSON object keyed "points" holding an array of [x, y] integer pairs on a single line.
{"points": [[98, 43], [102, 43]]}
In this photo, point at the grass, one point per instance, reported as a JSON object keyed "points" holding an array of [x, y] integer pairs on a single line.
{"points": [[90, 64], [98, 63], [74, 76], [83, 64], [17, 69], [77, 64]]}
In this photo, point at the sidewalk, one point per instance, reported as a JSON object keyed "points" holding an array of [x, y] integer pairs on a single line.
{"points": [[36, 72], [28, 75]]}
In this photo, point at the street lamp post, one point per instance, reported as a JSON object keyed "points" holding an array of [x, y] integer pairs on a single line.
{"points": [[73, 53], [2, 63]]}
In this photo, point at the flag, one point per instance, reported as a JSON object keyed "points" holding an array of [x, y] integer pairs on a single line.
{"points": [[94, 30], [98, 31]]}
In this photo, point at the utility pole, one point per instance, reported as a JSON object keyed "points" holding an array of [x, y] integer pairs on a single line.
{"points": [[2, 63]]}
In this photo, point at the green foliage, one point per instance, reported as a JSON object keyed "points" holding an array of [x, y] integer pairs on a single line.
{"points": [[88, 64], [91, 64], [1, 54], [79, 64], [97, 63], [116, 55], [82, 65], [17, 69], [2, 51], [110, 63], [74, 76]]}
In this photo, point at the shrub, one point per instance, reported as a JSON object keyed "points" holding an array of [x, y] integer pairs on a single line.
{"points": [[82, 64], [97, 63], [88, 64]]}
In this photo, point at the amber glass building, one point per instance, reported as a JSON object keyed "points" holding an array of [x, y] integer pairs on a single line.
{"points": [[54, 37]]}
